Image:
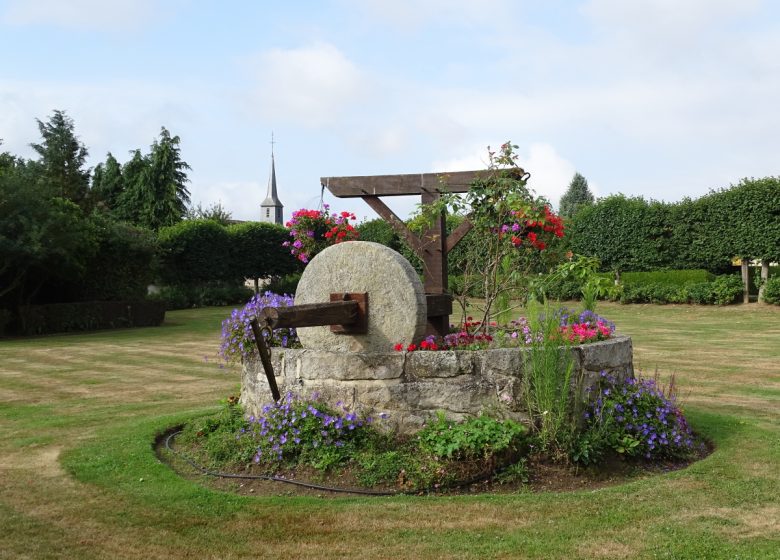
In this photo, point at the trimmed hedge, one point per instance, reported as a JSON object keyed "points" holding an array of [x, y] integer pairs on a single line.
{"points": [[723, 290], [203, 295], [631, 233], [89, 315], [667, 277]]}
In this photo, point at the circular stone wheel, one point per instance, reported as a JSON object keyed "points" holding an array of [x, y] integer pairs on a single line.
{"points": [[396, 299]]}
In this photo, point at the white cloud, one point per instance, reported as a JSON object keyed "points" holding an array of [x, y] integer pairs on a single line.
{"points": [[83, 14], [661, 17], [409, 14], [308, 85]]}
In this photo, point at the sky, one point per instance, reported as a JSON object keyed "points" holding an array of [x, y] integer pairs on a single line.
{"points": [[663, 99]]}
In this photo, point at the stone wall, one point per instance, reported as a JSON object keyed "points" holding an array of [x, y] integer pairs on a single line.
{"points": [[412, 387]]}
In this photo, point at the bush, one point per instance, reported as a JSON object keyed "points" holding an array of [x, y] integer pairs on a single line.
{"points": [[196, 252], [633, 418], [285, 284], [473, 438], [726, 289], [89, 315], [772, 291], [723, 290], [123, 266], [667, 277], [256, 250], [215, 294]]}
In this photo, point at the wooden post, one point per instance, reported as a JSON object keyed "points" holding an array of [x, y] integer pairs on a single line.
{"points": [[745, 281], [265, 359]]}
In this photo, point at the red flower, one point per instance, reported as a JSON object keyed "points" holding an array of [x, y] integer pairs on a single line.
{"points": [[411, 348], [398, 347]]}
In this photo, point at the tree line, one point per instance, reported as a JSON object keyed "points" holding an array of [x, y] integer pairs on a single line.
{"points": [[69, 233]]}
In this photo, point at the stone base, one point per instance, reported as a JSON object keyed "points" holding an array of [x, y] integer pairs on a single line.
{"points": [[412, 387]]}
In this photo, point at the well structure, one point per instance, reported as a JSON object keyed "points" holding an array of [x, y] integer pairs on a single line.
{"points": [[411, 387]]}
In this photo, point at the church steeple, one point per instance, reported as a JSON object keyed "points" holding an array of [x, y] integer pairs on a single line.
{"points": [[272, 209]]}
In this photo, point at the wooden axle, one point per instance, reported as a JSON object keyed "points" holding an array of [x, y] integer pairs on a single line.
{"points": [[346, 313]]}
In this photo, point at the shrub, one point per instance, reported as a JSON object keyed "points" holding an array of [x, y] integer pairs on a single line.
{"points": [[215, 294], [772, 291], [284, 284], [473, 438], [669, 277], [256, 250], [635, 419], [723, 290], [195, 252], [89, 315], [726, 289]]}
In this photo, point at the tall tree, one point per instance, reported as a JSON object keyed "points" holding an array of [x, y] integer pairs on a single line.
{"points": [[62, 159], [155, 193], [107, 182], [576, 196]]}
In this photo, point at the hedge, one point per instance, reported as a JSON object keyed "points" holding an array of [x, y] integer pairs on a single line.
{"points": [[88, 315], [630, 233]]}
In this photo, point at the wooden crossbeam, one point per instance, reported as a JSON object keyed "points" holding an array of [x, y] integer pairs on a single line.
{"points": [[400, 185]]}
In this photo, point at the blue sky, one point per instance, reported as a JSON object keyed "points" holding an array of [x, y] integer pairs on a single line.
{"points": [[658, 98]]}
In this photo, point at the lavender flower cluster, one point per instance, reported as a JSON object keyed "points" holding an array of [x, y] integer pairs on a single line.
{"points": [[294, 425], [568, 317], [238, 340], [637, 419]]}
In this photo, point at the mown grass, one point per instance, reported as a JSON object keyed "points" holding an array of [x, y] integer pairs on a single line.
{"points": [[79, 479]]}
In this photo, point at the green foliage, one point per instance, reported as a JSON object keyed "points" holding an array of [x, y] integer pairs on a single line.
{"points": [[772, 291], [514, 234], [62, 159], [256, 251], [634, 234], [155, 193], [42, 238], [473, 438], [212, 294], [107, 183], [217, 435], [380, 231], [576, 196], [215, 213], [723, 290], [726, 289], [195, 252], [122, 266], [284, 284], [88, 315], [668, 277], [546, 383], [633, 418]]}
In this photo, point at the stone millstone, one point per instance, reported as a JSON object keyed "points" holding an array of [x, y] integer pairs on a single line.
{"points": [[396, 298]]}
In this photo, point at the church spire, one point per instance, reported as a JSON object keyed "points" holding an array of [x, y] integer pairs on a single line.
{"points": [[272, 207]]}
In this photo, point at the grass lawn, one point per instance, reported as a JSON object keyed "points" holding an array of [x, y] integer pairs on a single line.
{"points": [[79, 479]]}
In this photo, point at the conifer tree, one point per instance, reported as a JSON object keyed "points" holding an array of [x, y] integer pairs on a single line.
{"points": [[576, 196]]}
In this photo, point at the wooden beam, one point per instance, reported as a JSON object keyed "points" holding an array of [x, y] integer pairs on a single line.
{"points": [[400, 185], [458, 233], [396, 223], [439, 305], [360, 325], [311, 314]]}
